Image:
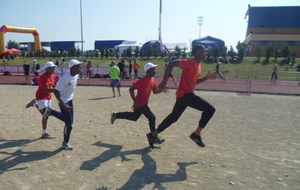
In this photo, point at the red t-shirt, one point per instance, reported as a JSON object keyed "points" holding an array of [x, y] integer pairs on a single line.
{"points": [[191, 71], [144, 87], [45, 80]]}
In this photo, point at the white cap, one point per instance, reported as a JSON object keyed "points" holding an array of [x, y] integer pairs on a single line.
{"points": [[34, 60], [74, 62], [149, 66], [49, 64]]}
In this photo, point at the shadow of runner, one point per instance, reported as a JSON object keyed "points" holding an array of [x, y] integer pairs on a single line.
{"points": [[140, 177], [15, 143], [147, 175], [101, 98], [19, 157]]}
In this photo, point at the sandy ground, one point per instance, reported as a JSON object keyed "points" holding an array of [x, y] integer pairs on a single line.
{"points": [[252, 142]]}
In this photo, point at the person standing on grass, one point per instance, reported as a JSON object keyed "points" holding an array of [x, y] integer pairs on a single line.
{"points": [[114, 73], [64, 93], [185, 96], [35, 68], [136, 69], [89, 68], [26, 67], [274, 72], [140, 106]]}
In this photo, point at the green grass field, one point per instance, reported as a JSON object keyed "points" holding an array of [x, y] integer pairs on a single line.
{"points": [[249, 68]]}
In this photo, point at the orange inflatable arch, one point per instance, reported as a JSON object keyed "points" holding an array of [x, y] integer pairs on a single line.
{"points": [[18, 29]]}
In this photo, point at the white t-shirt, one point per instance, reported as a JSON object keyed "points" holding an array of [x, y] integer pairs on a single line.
{"points": [[66, 86]]}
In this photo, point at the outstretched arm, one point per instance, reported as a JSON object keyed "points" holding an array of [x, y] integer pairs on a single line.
{"points": [[208, 76], [169, 69]]}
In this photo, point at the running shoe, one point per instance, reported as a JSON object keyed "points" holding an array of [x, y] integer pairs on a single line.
{"points": [[151, 139], [31, 103], [197, 140], [67, 146], [46, 136], [113, 118], [47, 112], [159, 140]]}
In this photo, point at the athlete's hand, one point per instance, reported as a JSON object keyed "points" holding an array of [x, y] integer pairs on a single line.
{"points": [[211, 75]]}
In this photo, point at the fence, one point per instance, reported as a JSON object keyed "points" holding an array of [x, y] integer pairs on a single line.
{"points": [[232, 73]]}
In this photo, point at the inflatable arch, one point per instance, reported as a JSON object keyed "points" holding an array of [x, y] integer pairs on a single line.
{"points": [[18, 29]]}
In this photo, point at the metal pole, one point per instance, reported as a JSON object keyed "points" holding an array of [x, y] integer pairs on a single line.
{"points": [[81, 30], [200, 22], [159, 29]]}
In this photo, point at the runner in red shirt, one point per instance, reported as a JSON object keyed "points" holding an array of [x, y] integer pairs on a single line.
{"points": [[185, 96], [144, 87], [42, 100]]}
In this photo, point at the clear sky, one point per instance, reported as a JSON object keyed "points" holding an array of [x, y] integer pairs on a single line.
{"points": [[133, 20]]}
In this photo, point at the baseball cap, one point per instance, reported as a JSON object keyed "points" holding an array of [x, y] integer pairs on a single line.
{"points": [[74, 62], [49, 64], [149, 66], [34, 60]]}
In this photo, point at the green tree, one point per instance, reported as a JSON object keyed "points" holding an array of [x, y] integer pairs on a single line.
{"points": [[96, 53], [286, 51], [102, 51], [216, 51], [231, 53], [137, 51], [149, 52], [269, 52], [12, 44], [184, 54], [107, 53], [129, 52], [72, 52], [241, 50], [177, 51], [78, 52], [258, 53]]}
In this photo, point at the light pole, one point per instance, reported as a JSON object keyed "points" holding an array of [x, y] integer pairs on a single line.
{"points": [[81, 30], [200, 22]]}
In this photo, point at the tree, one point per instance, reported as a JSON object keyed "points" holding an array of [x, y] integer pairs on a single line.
{"points": [[102, 51], [258, 53], [231, 52], [72, 52], [184, 54], [177, 51], [269, 52], [12, 44], [216, 51], [107, 53], [286, 51], [78, 52], [241, 50], [129, 52], [137, 51], [96, 53]]}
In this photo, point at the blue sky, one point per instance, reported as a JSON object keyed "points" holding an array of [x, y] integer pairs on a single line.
{"points": [[134, 20]]}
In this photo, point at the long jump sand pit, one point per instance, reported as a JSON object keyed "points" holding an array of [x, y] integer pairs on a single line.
{"points": [[252, 142]]}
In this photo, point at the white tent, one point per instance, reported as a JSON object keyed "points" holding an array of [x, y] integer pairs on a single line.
{"points": [[127, 44]]}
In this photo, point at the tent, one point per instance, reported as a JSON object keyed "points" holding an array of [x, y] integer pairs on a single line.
{"points": [[155, 45], [13, 50], [209, 42], [126, 44]]}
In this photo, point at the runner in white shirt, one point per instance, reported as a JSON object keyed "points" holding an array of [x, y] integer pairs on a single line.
{"points": [[64, 93]]}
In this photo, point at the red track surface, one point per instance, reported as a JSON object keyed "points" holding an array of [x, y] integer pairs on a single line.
{"points": [[231, 85]]}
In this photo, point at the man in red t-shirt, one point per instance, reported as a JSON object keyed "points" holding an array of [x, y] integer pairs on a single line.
{"points": [[144, 87], [43, 95], [185, 96]]}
